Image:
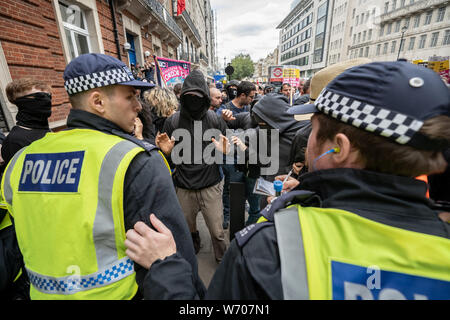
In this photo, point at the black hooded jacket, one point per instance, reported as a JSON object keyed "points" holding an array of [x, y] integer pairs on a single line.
{"points": [[272, 109], [190, 174]]}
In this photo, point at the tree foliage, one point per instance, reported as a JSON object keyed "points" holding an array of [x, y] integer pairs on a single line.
{"points": [[243, 67]]}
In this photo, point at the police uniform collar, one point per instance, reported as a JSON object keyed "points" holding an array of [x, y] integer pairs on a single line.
{"points": [[87, 120], [350, 189]]}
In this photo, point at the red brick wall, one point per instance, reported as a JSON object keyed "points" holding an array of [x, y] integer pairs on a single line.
{"points": [[30, 40]]}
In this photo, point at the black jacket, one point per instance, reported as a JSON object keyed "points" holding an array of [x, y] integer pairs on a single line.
{"points": [[188, 174], [272, 109], [252, 271], [17, 139], [148, 188]]}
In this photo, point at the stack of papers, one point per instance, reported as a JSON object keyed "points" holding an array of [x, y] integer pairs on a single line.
{"points": [[264, 187]]}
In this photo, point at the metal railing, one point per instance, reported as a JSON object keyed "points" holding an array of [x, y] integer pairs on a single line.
{"points": [[165, 16]]}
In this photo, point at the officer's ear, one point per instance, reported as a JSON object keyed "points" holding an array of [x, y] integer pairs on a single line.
{"points": [[345, 156], [96, 101]]}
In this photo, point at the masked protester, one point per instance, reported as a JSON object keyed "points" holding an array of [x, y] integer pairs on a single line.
{"points": [[33, 99], [198, 184]]}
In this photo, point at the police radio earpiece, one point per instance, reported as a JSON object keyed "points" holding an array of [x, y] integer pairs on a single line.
{"points": [[334, 150]]}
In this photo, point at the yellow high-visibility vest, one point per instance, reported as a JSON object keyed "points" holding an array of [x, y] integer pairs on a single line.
{"points": [[65, 193], [335, 254]]}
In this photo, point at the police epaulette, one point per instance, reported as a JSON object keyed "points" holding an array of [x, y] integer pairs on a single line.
{"points": [[141, 143], [243, 236], [302, 197]]}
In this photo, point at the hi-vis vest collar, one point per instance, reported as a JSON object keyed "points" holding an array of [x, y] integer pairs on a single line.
{"points": [[335, 254]]}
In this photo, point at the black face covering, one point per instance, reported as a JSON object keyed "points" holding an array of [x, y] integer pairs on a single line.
{"points": [[34, 110], [194, 105], [232, 93]]}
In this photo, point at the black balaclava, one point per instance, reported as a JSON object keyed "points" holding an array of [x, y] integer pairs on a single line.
{"points": [[232, 93], [194, 105], [34, 110]]}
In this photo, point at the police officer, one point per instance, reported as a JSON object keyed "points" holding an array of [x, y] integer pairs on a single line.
{"points": [[73, 194], [359, 225]]}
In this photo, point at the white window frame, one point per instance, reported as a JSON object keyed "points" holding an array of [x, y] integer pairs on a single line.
{"points": [[74, 29], [89, 7]]}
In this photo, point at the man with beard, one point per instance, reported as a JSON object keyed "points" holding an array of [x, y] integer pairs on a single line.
{"points": [[198, 184]]}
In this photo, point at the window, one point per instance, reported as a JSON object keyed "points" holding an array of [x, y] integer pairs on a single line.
{"points": [[422, 41], [434, 39], [389, 28], [378, 49], [359, 37], [446, 40], [364, 36], [322, 11], [394, 4], [366, 52], [361, 52], [428, 17], [381, 30], [75, 29], [370, 35], [441, 14], [407, 22], [357, 20], [386, 7], [417, 21], [353, 14], [411, 43], [402, 3], [397, 26], [385, 47], [393, 44]]}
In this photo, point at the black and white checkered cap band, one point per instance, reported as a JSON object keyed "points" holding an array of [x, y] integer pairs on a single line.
{"points": [[386, 123], [97, 80]]}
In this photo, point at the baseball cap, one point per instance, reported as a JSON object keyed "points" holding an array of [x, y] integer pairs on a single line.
{"points": [[95, 70], [391, 99]]}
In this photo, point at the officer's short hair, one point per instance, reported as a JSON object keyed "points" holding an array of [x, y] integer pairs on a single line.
{"points": [[385, 156]]}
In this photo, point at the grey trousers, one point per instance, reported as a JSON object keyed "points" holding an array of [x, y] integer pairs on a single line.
{"points": [[209, 202]]}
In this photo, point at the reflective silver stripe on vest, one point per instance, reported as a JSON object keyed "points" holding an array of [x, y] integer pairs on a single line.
{"points": [[8, 189], [103, 232], [76, 283], [292, 254]]}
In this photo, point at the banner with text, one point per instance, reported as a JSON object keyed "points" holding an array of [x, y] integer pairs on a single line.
{"points": [[171, 72]]}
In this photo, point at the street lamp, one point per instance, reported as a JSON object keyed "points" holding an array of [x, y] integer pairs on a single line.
{"points": [[401, 41]]}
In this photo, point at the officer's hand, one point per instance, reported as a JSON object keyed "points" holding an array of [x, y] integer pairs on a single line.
{"points": [[290, 184], [227, 115], [146, 245], [163, 142]]}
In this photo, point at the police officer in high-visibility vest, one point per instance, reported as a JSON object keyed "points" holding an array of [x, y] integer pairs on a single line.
{"points": [[358, 226], [75, 193]]}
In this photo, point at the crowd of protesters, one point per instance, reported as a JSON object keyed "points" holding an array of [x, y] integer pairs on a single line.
{"points": [[179, 149]]}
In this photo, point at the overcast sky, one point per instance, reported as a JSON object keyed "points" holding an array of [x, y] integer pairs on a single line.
{"points": [[248, 26]]}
